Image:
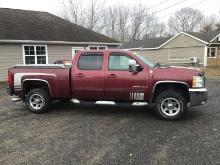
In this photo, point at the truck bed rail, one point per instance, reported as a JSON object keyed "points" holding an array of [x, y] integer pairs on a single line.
{"points": [[40, 66]]}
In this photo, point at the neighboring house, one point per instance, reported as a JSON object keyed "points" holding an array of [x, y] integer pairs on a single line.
{"points": [[33, 37], [180, 49]]}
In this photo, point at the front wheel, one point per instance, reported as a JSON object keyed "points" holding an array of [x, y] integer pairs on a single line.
{"points": [[170, 105], [37, 100]]}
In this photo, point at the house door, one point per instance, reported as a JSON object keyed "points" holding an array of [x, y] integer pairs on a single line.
{"points": [[75, 49]]}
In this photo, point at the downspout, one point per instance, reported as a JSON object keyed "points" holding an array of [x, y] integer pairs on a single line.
{"points": [[205, 56]]}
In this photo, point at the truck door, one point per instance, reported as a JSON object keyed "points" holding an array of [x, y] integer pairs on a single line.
{"points": [[88, 76], [120, 84]]}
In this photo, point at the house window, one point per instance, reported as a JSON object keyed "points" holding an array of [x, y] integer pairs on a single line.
{"points": [[211, 52], [75, 50], [97, 47], [35, 54], [102, 48], [93, 48]]}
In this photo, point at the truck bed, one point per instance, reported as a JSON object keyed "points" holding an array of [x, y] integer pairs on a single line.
{"points": [[56, 76]]}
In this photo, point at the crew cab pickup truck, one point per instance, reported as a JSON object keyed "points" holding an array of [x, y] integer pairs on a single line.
{"points": [[109, 77]]}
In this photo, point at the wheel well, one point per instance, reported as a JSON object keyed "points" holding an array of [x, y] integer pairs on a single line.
{"points": [[178, 87], [32, 84]]}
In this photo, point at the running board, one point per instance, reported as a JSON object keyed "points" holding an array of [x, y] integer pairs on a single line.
{"points": [[105, 102], [114, 103], [139, 103], [15, 99]]}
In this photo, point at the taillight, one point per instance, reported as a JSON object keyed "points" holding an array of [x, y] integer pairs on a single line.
{"points": [[9, 79]]}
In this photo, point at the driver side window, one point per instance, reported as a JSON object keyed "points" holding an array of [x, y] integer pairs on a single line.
{"points": [[118, 61]]}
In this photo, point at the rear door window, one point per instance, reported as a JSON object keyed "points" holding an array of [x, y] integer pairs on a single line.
{"points": [[90, 62]]}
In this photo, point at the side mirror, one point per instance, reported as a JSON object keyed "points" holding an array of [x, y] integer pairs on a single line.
{"points": [[133, 66]]}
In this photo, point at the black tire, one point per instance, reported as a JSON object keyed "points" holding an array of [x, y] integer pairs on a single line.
{"points": [[43, 100], [170, 105]]}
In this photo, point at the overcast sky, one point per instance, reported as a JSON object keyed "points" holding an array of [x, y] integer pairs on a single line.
{"points": [[162, 7]]}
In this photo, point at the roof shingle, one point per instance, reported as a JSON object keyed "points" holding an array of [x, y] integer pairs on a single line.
{"points": [[18, 24], [147, 43], [157, 42], [207, 36]]}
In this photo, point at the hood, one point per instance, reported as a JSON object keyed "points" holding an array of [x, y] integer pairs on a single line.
{"points": [[175, 73]]}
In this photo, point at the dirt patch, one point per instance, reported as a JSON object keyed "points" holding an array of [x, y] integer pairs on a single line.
{"points": [[88, 134], [212, 72]]}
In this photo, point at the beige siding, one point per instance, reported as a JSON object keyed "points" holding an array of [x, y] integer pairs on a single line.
{"points": [[160, 55], [184, 54], [174, 56], [183, 41], [149, 54], [10, 54], [63, 52], [177, 52], [59, 52]]}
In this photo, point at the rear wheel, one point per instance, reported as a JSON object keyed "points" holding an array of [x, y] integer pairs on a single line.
{"points": [[38, 100], [170, 105]]}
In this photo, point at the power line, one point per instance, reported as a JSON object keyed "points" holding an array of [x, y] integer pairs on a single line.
{"points": [[159, 4], [158, 18], [159, 11], [170, 6], [186, 6]]}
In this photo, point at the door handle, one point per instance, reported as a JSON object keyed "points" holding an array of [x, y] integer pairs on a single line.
{"points": [[79, 75], [112, 76]]}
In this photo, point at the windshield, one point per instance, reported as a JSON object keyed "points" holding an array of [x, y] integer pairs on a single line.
{"points": [[147, 62]]}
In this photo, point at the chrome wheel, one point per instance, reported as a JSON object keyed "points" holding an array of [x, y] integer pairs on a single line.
{"points": [[170, 106], [36, 101]]}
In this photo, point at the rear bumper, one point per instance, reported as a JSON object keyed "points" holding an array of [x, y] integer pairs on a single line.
{"points": [[198, 96]]}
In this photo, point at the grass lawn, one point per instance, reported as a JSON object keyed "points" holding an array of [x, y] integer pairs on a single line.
{"points": [[212, 72]]}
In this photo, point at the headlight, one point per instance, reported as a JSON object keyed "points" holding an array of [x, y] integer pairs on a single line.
{"points": [[198, 82]]}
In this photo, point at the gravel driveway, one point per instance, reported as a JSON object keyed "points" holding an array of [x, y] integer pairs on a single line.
{"points": [[88, 134]]}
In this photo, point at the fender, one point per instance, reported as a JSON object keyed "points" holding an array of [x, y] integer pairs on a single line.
{"points": [[38, 80], [166, 81], [18, 78]]}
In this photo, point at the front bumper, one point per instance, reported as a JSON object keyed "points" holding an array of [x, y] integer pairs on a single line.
{"points": [[198, 96]]}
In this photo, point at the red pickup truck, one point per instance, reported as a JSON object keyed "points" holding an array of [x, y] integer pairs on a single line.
{"points": [[109, 77]]}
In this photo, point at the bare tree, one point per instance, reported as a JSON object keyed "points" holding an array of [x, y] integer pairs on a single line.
{"points": [[156, 29], [140, 19], [218, 24], [73, 11], [90, 16], [122, 23], [217, 27], [186, 19], [110, 22], [161, 30], [209, 24], [95, 14]]}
